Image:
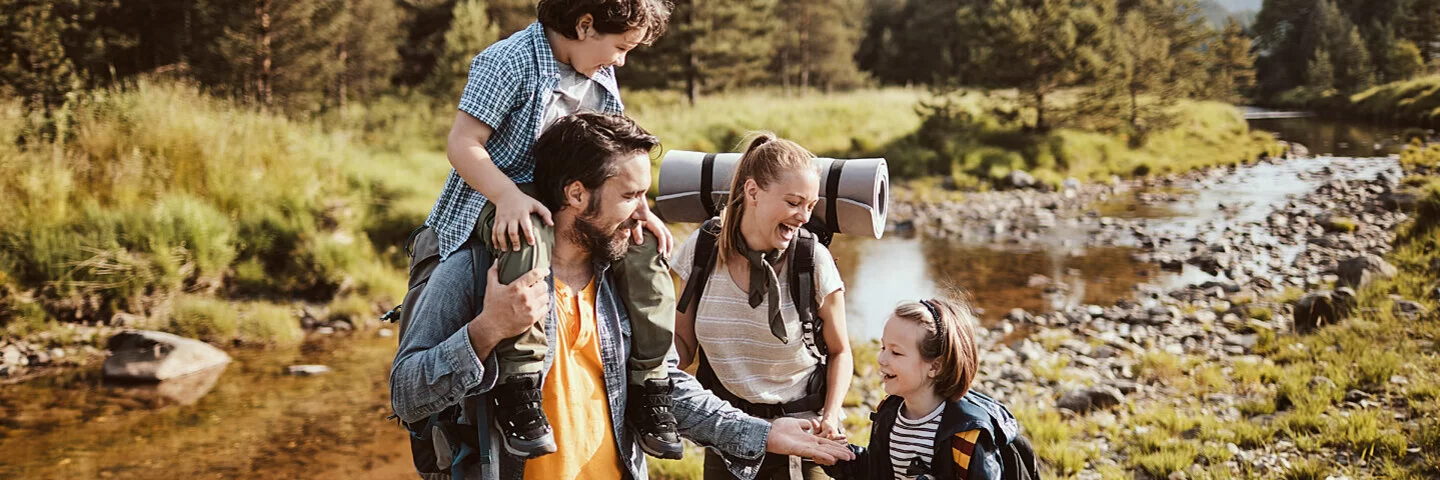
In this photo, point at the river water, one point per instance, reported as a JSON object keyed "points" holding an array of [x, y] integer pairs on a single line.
{"points": [[257, 422]]}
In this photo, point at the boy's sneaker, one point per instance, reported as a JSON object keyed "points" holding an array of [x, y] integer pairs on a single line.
{"points": [[521, 420], [649, 412]]}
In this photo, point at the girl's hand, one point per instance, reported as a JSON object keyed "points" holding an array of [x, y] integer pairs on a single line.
{"points": [[512, 218], [656, 227], [831, 426]]}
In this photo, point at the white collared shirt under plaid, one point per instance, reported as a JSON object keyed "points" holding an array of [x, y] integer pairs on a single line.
{"points": [[510, 84]]}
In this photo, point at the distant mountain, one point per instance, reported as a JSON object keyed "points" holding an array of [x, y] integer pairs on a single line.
{"points": [[1216, 11], [1241, 5]]}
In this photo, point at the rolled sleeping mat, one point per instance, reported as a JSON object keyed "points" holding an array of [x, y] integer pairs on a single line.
{"points": [[854, 194]]}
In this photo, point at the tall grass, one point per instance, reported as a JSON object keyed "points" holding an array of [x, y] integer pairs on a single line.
{"points": [[159, 189], [964, 140], [1415, 101], [846, 123]]}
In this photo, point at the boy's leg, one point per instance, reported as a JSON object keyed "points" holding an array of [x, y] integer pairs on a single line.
{"points": [[649, 297], [517, 395]]}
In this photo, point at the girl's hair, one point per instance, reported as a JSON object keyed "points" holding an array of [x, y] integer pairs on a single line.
{"points": [[766, 159], [950, 337]]}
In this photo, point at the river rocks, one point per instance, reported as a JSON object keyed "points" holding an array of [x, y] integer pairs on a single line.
{"points": [[1358, 271], [307, 370], [1019, 179], [1409, 309], [147, 356], [1321, 308], [1094, 398]]}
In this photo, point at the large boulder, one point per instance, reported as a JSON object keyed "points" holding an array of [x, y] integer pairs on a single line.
{"points": [[1019, 179], [149, 356], [1321, 308], [1093, 398], [1356, 272]]}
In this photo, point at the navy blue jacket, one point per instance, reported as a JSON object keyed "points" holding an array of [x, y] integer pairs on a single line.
{"points": [[975, 416]]}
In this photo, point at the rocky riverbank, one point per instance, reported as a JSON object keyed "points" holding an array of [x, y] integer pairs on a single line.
{"points": [[1249, 277]]}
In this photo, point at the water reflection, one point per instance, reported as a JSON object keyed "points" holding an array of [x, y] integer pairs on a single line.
{"points": [[880, 273], [183, 390], [256, 423], [1325, 136]]}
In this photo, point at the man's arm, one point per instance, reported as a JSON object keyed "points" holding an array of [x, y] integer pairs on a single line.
{"points": [[439, 359], [742, 439]]}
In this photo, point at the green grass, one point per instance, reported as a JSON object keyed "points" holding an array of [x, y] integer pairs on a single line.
{"points": [[158, 189], [1411, 101], [842, 124], [963, 141]]}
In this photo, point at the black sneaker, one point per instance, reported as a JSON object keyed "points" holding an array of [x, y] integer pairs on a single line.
{"points": [[517, 411], [649, 413]]}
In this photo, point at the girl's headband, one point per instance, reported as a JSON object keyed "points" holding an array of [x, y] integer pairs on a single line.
{"points": [[939, 327]]}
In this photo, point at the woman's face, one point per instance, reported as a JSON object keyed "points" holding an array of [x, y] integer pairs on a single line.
{"points": [[903, 371], [774, 215]]}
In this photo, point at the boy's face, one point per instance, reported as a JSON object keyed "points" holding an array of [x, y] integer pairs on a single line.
{"points": [[595, 50], [903, 371]]}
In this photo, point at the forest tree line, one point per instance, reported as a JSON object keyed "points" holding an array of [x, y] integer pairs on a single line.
{"points": [[1130, 56]]}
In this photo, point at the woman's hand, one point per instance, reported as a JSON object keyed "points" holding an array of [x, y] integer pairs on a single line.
{"points": [[512, 218], [832, 426]]}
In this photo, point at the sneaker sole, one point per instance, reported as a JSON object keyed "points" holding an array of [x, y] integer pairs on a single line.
{"points": [[670, 451], [532, 448]]}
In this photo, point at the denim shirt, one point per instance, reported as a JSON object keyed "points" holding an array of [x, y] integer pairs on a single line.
{"points": [[436, 367]]}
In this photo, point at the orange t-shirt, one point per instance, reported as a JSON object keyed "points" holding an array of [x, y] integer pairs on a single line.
{"points": [[575, 400]]}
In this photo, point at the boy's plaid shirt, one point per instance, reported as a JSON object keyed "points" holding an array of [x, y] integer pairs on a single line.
{"points": [[510, 84]]}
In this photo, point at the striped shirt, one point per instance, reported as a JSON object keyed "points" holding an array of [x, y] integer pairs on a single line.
{"points": [[747, 358], [912, 441], [511, 83]]}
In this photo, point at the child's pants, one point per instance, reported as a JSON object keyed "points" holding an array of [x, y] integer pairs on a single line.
{"points": [[645, 288]]}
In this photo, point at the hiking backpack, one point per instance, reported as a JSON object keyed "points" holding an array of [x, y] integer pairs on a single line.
{"points": [[440, 443], [800, 270]]}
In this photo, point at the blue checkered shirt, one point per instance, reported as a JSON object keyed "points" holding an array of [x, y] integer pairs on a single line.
{"points": [[510, 84]]}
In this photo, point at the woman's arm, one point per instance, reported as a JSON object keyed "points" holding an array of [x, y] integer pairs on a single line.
{"points": [[842, 363], [686, 345]]}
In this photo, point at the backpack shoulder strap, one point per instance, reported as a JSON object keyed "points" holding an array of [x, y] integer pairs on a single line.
{"points": [[703, 264], [802, 292]]}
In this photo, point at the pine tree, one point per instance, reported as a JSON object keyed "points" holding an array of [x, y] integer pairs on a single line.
{"points": [[1036, 46], [470, 32], [286, 52], [709, 46], [1143, 65], [817, 44], [1320, 75], [33, 61], [1232, 67]]}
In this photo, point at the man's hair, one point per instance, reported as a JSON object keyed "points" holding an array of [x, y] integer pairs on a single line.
{"points": [[584, 148], [611, 16], [949, 338]]}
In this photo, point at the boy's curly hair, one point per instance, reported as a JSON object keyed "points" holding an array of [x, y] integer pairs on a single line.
{"points": [[611, 16]]}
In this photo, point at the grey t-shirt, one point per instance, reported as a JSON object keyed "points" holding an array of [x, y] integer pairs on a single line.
{"points": [[575, 93]]}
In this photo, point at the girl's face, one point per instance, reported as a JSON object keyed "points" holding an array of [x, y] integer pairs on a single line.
{"points": [[776, 214], [903, 371]]}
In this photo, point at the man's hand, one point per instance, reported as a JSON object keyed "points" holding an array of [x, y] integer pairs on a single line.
{"points": [[512, 218], [656, 227], [793, 436], [509, 309]]}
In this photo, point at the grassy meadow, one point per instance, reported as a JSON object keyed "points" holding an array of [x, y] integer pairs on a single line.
{"points": [[1410, 102]]}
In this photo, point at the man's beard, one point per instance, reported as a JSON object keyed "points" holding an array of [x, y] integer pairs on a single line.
{"points": [[602, 245]]}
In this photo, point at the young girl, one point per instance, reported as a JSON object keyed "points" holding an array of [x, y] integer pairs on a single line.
{"points": [[931, 426]]}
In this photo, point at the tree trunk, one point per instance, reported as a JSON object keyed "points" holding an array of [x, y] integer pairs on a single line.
{"points": [[1040, 110], [1134, 109], [262, 53]]}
